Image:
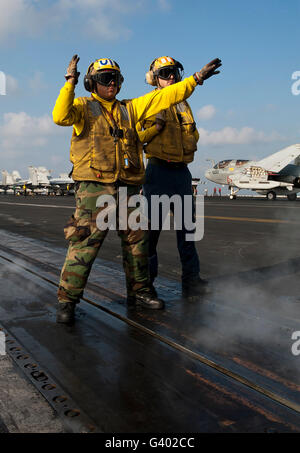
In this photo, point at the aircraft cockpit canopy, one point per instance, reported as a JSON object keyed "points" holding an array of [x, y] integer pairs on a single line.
{"points": [[234, 163], [241, 162], [223, 164]]}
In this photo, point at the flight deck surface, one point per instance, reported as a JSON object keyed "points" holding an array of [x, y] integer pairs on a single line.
{"points": [[221, 364]]}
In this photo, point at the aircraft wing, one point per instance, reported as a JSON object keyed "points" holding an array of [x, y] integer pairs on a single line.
{"points": [[281, 159]]}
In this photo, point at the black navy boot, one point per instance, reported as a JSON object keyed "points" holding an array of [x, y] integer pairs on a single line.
{"points": [[195, 287], [65, 312], [146, 298]]}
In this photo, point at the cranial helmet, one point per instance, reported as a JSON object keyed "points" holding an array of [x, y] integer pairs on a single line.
{"points": [[97, 68], [160, 63]]}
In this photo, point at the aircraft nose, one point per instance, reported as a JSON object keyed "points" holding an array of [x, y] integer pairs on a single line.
{"points": [[207, 174]]}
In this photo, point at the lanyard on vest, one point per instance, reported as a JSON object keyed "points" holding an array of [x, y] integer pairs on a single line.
{"points": [[115, 132]]}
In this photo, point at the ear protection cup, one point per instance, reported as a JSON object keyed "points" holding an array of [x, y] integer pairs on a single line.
{"points": [[87, 81], [150, 79]]}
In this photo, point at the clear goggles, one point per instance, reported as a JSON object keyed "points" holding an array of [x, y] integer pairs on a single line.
{"points": [[166, 73], [106, 77]]}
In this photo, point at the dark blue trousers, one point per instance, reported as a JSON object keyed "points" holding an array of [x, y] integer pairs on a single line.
{"points": [[167, 180]]}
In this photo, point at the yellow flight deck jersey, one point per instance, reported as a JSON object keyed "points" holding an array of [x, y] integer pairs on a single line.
{"points": [[177, 142], [97, 152]]}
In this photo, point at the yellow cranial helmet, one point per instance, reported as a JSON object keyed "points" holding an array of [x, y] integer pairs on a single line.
{"points": [[162, 62], [105, 63], [103, 71], [162, 67]]}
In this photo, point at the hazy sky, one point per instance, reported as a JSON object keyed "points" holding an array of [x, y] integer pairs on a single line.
{"points": [[248, 111]]}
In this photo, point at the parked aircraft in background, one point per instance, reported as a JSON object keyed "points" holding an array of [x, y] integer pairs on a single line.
{"points": [[9, 184], [271, 176], [39, 178], [18, 180], [7, 179]]}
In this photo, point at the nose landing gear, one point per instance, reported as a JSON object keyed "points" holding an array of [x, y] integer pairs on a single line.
{"points": [[233, 193]]}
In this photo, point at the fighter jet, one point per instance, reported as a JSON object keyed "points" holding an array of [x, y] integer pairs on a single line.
{"points": [[11, 182], [41, 177], [18, 181], [62, 184], [271, 176]]}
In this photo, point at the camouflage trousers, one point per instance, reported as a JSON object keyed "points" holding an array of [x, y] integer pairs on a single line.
{"points": [[86, 239]]}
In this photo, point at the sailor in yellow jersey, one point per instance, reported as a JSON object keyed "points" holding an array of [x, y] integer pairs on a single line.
{"points": [[106, 154], [170, 141]]}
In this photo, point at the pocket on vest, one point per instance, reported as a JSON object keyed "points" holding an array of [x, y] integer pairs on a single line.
{"points": [[189, 142], [103, 155]]}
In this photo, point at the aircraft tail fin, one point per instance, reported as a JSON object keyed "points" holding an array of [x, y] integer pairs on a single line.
{"points": [[43, 175], [7, 179], [16, 175], [4, 177], [281, 159], [33, 176]]}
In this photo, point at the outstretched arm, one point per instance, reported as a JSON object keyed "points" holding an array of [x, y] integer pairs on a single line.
{"points": [[67, 111], [157, 100]]}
